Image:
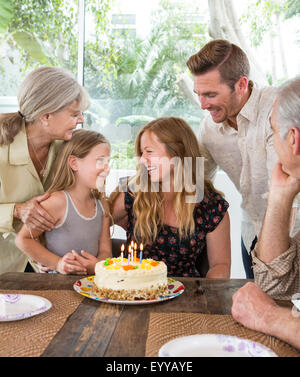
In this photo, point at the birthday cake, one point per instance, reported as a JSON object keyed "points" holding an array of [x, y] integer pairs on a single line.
{"points": [[117, 279]]}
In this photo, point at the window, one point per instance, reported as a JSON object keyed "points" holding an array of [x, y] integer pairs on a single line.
{"points": [[130, 55], [133, 64], [35, 33]]}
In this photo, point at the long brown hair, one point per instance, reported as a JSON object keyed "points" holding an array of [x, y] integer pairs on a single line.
{"points": [[80, 145], [180, 141]]}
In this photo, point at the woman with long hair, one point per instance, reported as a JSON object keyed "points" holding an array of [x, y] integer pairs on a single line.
{"points": [[169, 207], [50, 107]]}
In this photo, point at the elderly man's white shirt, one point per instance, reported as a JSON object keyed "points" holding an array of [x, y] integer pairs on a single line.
{"points": [[247, 156]]}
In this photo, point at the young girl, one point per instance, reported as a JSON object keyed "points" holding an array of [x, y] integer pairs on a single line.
{"points": [[81, 221], [172, 228]]}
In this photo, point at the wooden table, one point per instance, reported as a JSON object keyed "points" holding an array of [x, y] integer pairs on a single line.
{"points": [[123, 327]]}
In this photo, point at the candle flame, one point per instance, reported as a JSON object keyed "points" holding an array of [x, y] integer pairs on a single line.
{"points": [[141, 247], [122, 247]]}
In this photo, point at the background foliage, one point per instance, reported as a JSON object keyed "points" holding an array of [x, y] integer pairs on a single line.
{"points": [[129, 77]]}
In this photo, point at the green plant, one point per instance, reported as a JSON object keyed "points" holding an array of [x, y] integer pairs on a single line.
{"points": [[123, 156]]}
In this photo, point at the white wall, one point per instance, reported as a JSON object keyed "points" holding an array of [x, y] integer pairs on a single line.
{"points": [[111, 183], [222, 183]]}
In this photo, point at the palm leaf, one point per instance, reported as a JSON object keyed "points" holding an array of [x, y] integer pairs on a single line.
{"points": [[6, 14], [31, 45]]}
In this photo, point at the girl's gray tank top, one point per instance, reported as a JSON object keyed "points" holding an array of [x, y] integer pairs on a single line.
{"points": [[76, 232]]}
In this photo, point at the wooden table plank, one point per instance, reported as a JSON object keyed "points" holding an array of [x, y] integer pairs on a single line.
{"points": [[87, 332], [32, 281], [101, 329], [216, 299]]}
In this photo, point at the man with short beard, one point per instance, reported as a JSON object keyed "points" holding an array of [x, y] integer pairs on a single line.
{"points": [[236, 136]]}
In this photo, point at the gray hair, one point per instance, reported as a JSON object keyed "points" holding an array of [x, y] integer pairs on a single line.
{"points": [[44, 90], [47, 90], [288, 106]]}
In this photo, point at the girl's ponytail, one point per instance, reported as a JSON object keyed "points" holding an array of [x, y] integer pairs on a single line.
{"points": [[10, 126]]}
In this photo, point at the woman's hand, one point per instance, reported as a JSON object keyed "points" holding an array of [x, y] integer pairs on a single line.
{"points": [[43, 269], [33, 214], [69, 265], [87, 260]]}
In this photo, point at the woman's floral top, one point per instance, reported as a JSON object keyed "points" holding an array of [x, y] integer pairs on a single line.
{"points": [[180, 255]]}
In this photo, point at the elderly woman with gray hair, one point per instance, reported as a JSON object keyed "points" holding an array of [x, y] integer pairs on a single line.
{"points": [[50, 106]]}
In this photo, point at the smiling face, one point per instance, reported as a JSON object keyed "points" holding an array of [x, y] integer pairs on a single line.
{"points": [[154, 157], [93, 169], [61, 124], [217, 97]]}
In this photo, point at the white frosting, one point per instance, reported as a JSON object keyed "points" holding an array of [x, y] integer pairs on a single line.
{"points": [[115, 277]]}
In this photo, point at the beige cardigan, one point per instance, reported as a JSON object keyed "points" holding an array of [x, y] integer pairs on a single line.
{"points": [[19, 182]]}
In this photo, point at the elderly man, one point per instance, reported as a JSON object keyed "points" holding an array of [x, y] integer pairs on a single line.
{"points": [[277, 256], [236, 136]]}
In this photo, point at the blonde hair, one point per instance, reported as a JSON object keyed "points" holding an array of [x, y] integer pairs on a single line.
{"points": [[180, 141], [80, 145], [44, 90]]}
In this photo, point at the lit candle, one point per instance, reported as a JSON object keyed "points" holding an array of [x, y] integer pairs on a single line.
{"points": [[141, 252], [122, 252], [128, 258], [135, 247]]}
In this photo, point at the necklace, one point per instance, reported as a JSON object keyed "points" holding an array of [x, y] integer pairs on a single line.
{"points": [[41, 173]]}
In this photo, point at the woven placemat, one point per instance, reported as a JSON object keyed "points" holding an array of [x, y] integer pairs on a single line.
{"points": [[31, 336], [166, 326]]}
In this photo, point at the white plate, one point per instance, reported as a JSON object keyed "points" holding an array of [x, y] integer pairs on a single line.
{"points": [[14, 307], [85, 287], [296, 300], [213, 345]]}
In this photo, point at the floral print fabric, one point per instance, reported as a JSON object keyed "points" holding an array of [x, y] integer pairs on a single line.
{"points": [[180, 255]]}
